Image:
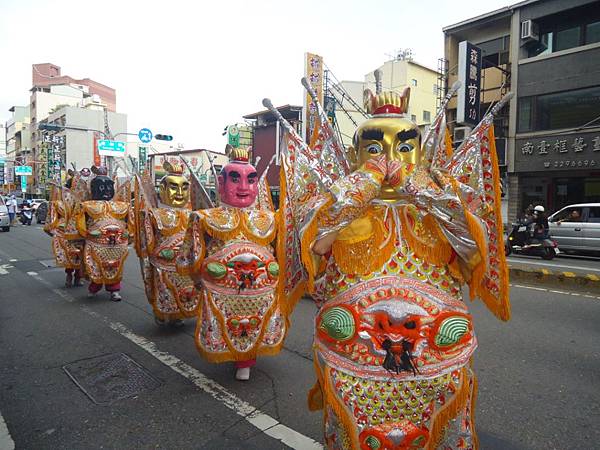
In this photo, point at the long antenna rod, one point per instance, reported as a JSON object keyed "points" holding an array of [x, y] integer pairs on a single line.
{"points": [[453, 89]]}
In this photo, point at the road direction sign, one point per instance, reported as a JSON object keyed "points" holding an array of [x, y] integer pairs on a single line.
{"points": [[23, 170], [234, 136], [111, 148], [145, 135]]}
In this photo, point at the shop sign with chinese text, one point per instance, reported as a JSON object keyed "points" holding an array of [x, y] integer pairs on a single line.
{"points": [[575, 151], [469, 74]]}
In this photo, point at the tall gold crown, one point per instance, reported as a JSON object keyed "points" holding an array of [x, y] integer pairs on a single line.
{"points": [[386, 102], [173, 168], [240, 155]]}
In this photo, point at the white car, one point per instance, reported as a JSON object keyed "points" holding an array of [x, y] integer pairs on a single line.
{"points": [[577, 227], [4, 218]]}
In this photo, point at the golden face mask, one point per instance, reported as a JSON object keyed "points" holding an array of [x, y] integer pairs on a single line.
{"points": [[174, 191], [395, 137]]}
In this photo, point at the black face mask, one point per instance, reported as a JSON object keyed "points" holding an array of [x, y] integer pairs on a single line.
{"points": [[103, 188]]}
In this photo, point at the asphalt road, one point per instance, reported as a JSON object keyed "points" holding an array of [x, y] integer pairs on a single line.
{"points": [[539, 374], [578, 264]]}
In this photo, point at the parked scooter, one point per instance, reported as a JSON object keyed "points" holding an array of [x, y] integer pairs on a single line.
{"points": [[26, 215], [523, 240]]}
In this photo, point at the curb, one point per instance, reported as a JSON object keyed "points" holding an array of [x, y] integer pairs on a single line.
{"points": [[589, 280]]}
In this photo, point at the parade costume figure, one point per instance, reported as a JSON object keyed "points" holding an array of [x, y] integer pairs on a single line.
{"points": [[385, 249], [103, 222], [67, 244], [229, 253], [160, 229]]}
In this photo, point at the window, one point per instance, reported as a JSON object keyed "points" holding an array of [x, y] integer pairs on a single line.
{"points": [[413, 118], [495, 52], [413, 82], [566, 39], [569, 215], [524, 114], [567, 29], [594, 215], [592, 32], [435, 89], [559, 110], [426, 116]]}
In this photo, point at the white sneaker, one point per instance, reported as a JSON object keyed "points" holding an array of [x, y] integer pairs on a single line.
{"points": [[115, 296], [242, 374]]}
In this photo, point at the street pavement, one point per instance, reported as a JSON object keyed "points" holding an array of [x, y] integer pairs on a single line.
{"points": [[539, 374], [577, 264]]}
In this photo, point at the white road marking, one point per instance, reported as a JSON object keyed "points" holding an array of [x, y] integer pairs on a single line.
{"points": [[4, 268], [574, 294], [527, 262], [6, 442], [13, 260], [254, 416]]}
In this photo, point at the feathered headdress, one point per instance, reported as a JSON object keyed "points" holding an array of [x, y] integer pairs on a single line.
{"points": [[386, 102], [172, 168], [240, 155]]}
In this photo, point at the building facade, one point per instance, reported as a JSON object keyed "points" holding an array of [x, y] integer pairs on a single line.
{"points": [[396, 75], [78, 142], [547, 52], [266, 139], [18, 144]]}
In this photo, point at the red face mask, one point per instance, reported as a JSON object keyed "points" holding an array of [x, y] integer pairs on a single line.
{"points": [[238, 185]]}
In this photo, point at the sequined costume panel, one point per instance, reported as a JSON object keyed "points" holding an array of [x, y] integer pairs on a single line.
{"points": [[67, 244], [171, 295], [104, 224], [241, 314], [393, 361]]}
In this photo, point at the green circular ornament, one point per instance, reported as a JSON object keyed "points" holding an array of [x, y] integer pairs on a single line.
{"points": [[451, 330], [338, 323], [372, 442], [216, 270], [273, 269]]}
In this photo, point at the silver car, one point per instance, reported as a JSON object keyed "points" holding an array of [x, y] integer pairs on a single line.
{"points": [[577, 227], [4, 219]]}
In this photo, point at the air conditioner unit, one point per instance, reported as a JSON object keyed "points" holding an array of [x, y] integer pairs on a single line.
{"points": [[460, 134], [529, 31]]}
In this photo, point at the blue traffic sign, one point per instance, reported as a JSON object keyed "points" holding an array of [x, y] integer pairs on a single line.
{"points": [[23, 170], [145, 135], [111, 148]]}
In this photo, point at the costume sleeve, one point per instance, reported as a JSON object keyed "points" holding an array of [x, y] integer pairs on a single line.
{"points": [[80, 221], [192, 251], [437, 194], [330, 213], [52, 221]]}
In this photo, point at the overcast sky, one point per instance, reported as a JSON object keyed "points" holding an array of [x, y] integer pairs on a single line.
{"points": [[189, 68]]}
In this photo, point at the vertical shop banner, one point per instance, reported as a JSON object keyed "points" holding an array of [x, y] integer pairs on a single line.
{"points": [[41, 167], [97, 159], [56, 146], [1, 173], [469, 74], [313, 71], [142, 158]]}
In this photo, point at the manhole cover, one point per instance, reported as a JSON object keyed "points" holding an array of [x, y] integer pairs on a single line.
{"points": [[108, 378]]}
